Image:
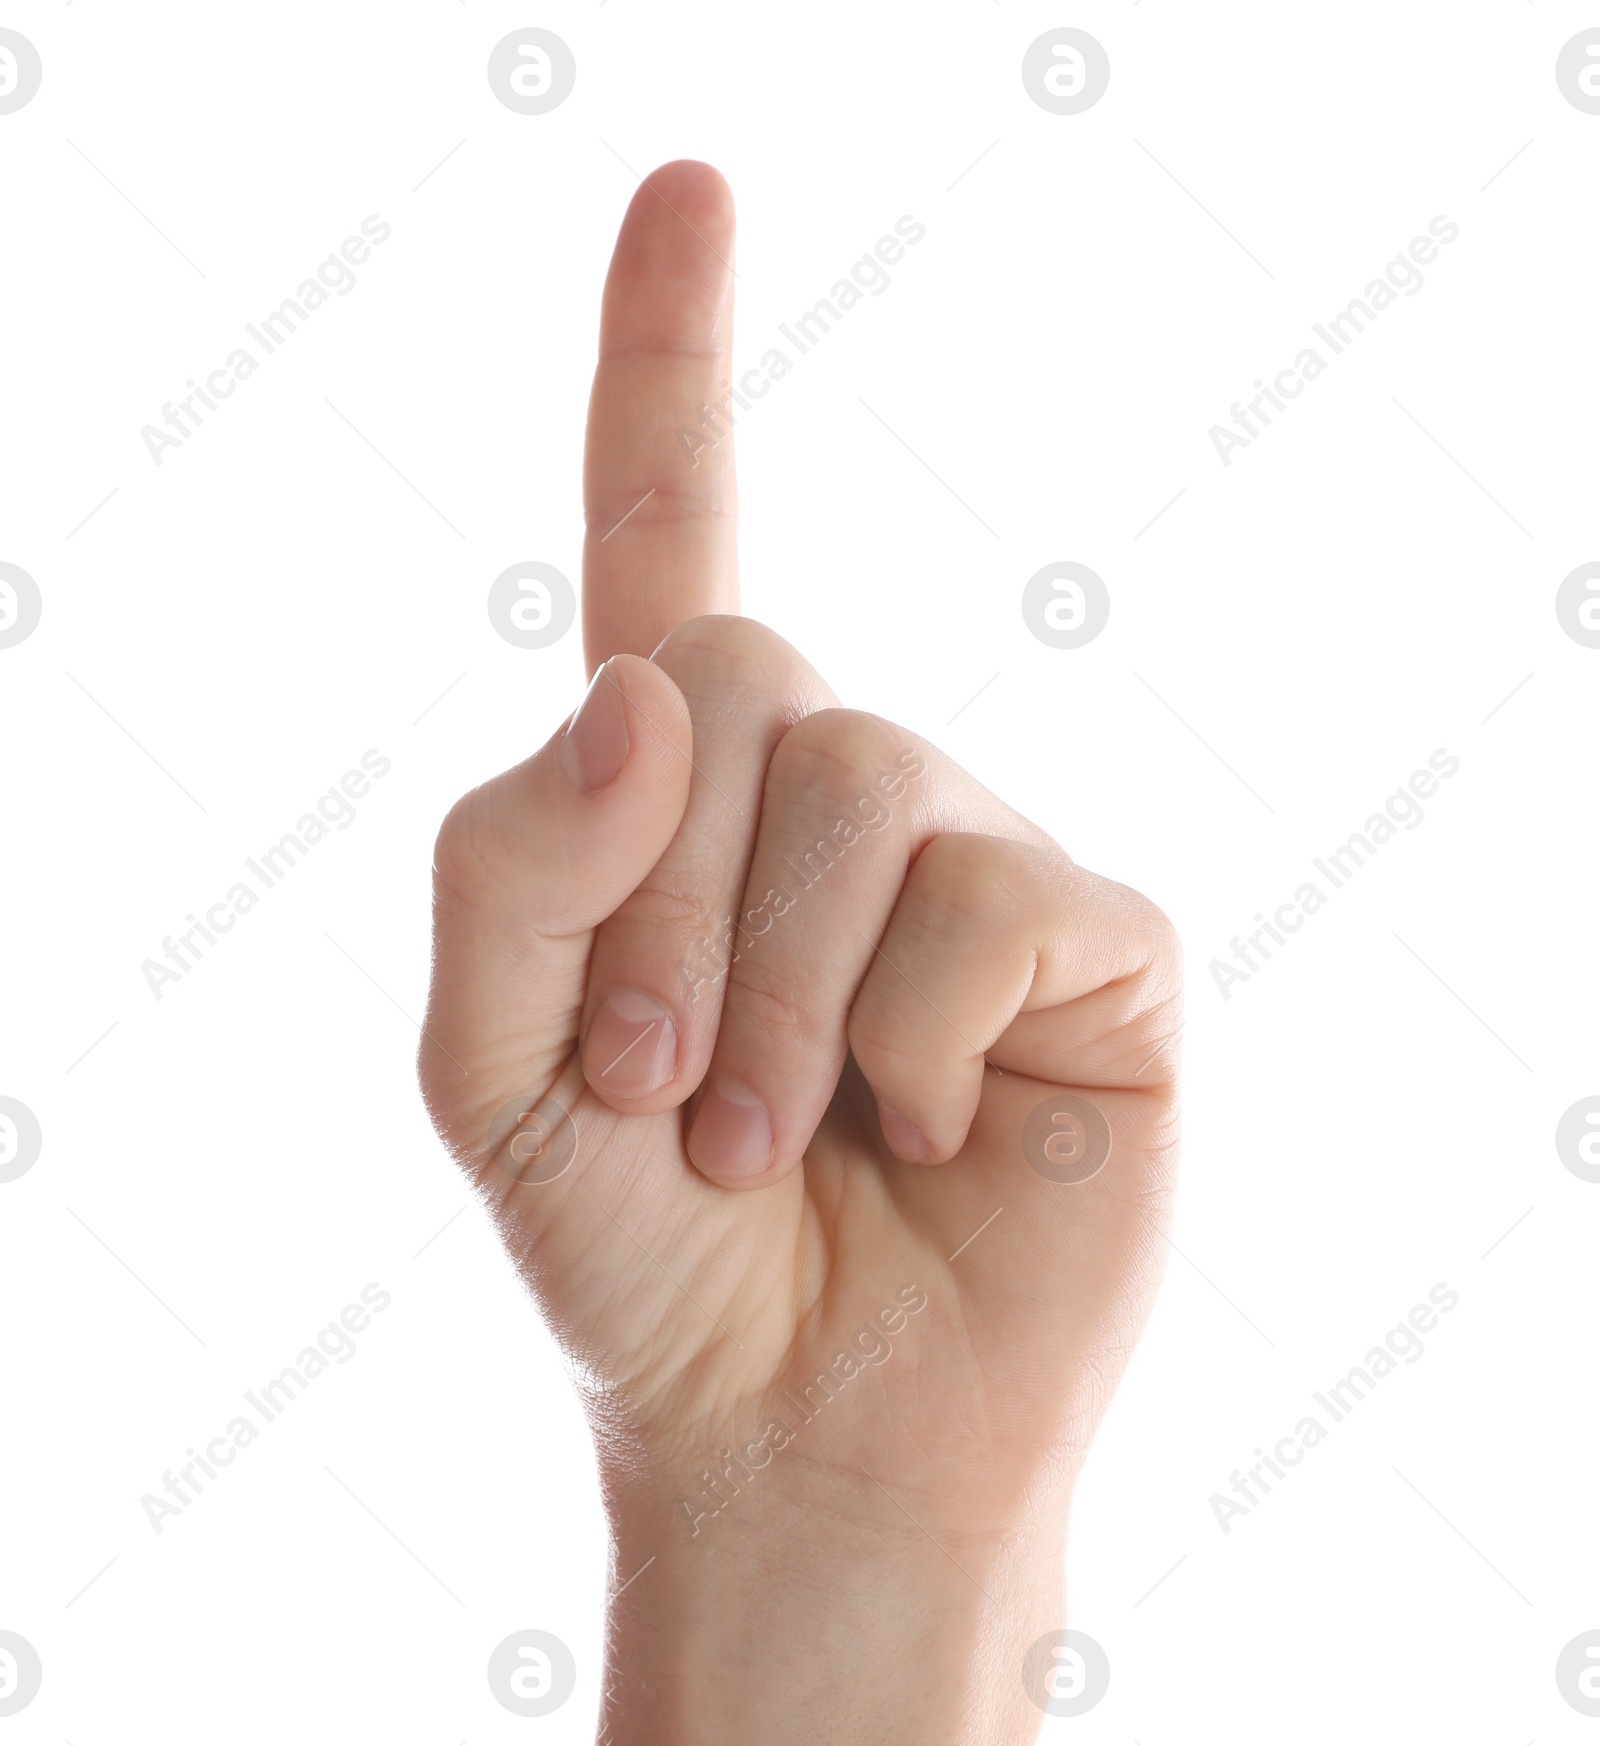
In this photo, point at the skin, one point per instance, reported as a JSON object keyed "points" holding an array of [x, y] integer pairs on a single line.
{"points": [[870, 1561]]}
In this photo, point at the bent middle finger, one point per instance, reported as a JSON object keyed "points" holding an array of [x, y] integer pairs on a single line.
{"points": [[849, 800]]}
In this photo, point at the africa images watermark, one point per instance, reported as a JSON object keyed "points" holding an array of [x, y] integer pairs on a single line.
{"points": [[869, 276], [869, 1345], [1401, 811], [1401, 1344], [334, 276], [870, 814], [335, 1344], [1403, 274], [335, 810]]}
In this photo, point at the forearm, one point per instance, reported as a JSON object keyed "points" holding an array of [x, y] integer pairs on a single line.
{"points": [[774, 1623]]}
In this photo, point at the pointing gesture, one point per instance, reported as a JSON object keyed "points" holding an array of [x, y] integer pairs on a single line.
{"points": [[660, 548], [825, 1103]]}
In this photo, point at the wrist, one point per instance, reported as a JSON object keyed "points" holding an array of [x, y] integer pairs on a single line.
{"points": [[854, 1615]]}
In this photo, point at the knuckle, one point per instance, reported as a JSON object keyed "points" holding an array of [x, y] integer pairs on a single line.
{"points": [[835, 752], [1166, 960], [715, 638], [664, 902], [773, 1004], [467, 856], [976, 881], [721, 653], [1164, 933], [625, 513], [1164, 947], [679, 904], [888, 1050]]}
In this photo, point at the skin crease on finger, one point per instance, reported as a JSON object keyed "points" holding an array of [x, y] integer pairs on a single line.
{"points": [[826, 1105]]}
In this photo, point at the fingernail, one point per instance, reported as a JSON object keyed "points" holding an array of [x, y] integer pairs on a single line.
{"points": [[906, 1139], [632, 1046], [732, 1136], [595, 747]]}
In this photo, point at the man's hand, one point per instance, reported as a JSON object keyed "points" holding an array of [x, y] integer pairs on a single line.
{"points": [[788, 1058]]}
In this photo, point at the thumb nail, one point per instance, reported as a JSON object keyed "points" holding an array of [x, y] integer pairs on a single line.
{"points": [[595, 746]]}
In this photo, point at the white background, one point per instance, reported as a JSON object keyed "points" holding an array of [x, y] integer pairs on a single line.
{"points": [[1288, 642]]}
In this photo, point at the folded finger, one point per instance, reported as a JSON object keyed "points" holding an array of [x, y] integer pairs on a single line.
{"points": [[660, 964], [1006, 953], [849, 799]]}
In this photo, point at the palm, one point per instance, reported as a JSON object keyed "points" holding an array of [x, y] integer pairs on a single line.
{"points": [[700, 1317]]}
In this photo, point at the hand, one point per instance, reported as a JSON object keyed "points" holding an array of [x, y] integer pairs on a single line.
{"points": [[842, 1348]]}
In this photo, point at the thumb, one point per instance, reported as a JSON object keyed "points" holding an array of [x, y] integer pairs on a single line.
{"points": [[525, 868]]}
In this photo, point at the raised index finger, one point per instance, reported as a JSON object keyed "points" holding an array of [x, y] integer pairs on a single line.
{"points": [[658, 477]]}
